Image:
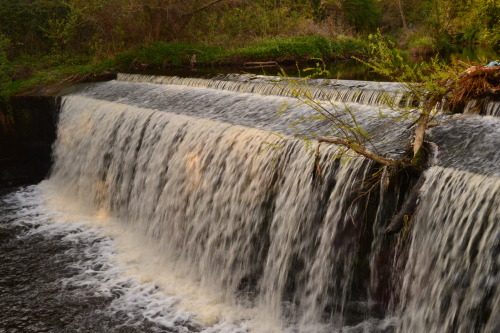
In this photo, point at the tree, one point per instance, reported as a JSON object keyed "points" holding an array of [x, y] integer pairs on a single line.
{"points": [[21, 21], [6, 70], [169, 17], [432, 83], [110, 26], [364, 15], [402, 14]]}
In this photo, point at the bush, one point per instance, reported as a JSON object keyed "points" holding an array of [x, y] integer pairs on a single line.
{"points": [[364, 15], [352, 47], [423, 41], [426, 43], [236, 25], [490, 36], [293, 47], [6, 68], [163, 54], [124, 60]]}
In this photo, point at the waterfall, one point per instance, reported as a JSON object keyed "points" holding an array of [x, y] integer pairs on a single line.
{"points": [[450, 282], [243, 218], [225, 194], [376, 94], [489, 107]]}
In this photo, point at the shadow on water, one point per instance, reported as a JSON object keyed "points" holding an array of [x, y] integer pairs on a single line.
{"points": [[341, 70], [345, 70], [473, 53]]}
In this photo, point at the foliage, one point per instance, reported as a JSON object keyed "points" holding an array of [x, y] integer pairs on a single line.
{"points": [[162, 54], [165, 54], [472, 21], [422, 45], [293, 47], [484, 16], [22, 21], [427, 81], [159, 33], [94, 26], [350, 46], [6, 69], [490, 36], [236, 24], [423, 41], [364, 15], [102, 28]]}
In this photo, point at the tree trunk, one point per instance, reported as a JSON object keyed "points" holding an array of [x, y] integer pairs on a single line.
{"points": [[360, 150], [423, 122], [401, 12], [158, 24]]}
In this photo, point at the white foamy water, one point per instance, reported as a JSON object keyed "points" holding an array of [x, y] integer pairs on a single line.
{"points": [[370, 93], [451, 279], [113, 266], [215, 211], [123, 266], [179, 211]]}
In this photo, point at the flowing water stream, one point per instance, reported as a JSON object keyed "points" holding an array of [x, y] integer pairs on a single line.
{"points": [[189, 205]]}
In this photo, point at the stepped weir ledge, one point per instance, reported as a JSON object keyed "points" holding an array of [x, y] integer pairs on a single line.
{"points": [[192, 205]]}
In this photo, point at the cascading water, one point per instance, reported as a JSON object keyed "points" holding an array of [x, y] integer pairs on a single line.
{"points": [[489, 107], [206, 215], [234, 215], [450, 282], [370, 93]]}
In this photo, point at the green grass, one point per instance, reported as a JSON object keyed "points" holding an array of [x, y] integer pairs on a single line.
{"points": [[303, 47], [162, 54], [349, 46], [422, 41], [53, 68], [45, 74]]}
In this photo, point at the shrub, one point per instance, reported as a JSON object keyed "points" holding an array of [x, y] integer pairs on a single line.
{"points": [[490, 36], [364, 15], [352, 47], [237, 24], [294, 47], [163, 54], [124, 60], [424, 41], [6, 69]]}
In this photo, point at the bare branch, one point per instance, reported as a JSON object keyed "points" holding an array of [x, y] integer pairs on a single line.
{"points": [[202, 8]]}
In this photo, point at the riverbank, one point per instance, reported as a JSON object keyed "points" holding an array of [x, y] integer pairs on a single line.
{"points": [[30, 73], [48, 74]]}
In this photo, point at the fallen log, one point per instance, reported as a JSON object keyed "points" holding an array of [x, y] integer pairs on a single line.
{"points": [[260, 63]]}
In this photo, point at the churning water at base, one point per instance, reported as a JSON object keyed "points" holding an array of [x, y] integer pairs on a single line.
{"points": [[175, 209], [73, 272]]}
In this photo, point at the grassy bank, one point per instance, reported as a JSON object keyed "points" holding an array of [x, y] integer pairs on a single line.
{"points": [[29, 72], [121, 35]]}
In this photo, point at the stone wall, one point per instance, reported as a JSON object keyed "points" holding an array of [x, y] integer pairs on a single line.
{"points": [[27, 131]]}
